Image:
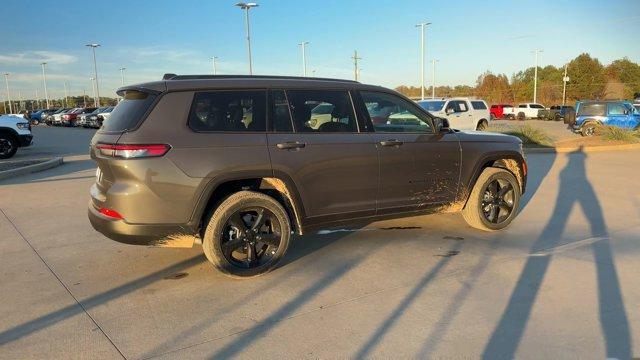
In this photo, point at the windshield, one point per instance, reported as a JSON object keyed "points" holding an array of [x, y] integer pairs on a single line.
{"points": [[431, 105]]}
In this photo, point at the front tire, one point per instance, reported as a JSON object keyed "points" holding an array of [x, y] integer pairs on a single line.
{"points": [[247, 235], [8, 146], [494, 200]]}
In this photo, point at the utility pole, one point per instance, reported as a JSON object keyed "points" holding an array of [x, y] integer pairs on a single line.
{"points": [[44, 80], [304, 57], [535, 76], [433, 78], [422, 27], [213, 63], [66, 95], [95, 73], [122, 69], [565, 80], [6, 79], [246, 7], [355, 63]]}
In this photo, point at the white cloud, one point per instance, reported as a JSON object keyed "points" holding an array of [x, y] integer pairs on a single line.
{"points": [[37, 57]]}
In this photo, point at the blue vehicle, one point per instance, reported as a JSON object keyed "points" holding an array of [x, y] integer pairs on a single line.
{"points": [[590, 114], [39, 115]]}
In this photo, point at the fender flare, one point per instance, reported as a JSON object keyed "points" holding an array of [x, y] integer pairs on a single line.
{"points": [[492, 157]]}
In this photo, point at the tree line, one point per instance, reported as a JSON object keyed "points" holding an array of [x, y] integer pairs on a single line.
{"points": [[589, 79]]}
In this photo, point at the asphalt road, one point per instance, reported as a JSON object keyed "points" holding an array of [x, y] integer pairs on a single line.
{"points": [[561, 282]]}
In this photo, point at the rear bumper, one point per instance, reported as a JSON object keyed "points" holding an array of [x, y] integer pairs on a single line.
{"points": [[138, 234]]}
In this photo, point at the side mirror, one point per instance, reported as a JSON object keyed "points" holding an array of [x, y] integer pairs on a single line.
{"points": [[441, 124]]}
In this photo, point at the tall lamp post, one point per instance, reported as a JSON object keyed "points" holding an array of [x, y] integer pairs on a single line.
{"points": [[433, 78], [95, 73], [93, 86], [303, 45], [535, 76], [44, 80], [66, 95], [213, 63], [246, 7], [6, 79], [422, 27], [122, 69]]}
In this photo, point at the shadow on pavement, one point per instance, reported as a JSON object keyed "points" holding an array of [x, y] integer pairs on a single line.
{"points": [[574, 189], [60, 173]]}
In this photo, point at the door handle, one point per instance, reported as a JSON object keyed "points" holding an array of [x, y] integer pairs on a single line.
{"points": [[291, 145], [391, 143]]}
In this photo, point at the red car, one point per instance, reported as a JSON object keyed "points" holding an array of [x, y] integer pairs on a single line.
{"points": [[69, 119], [497, 111]]}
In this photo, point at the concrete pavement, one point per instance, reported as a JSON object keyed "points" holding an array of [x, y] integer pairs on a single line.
{"points": [[561, 282]]}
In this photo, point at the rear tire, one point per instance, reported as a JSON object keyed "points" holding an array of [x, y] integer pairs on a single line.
{"points": [[521, 116], [482, 125], [588, 129], [238, 244], [480, 211], [8, 146]]}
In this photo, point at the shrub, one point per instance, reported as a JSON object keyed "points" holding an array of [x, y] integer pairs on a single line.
{"points": [[528, 134], [618, 134]]}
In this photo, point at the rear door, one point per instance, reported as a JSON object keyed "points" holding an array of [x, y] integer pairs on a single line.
{"points": [[460, 116], [317, 142], [418, 168]]}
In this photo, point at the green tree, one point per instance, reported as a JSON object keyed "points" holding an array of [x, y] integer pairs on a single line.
{"points": [[587, 78]]}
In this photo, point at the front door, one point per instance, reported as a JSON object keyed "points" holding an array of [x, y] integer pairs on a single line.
{"points": [[418, 167], [459, 115], [333, 165]]}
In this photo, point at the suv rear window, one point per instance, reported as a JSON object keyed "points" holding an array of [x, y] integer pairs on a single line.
{"points": [[128, 113], [229, 111], [592, 109], [322, 111], [479, 105]]}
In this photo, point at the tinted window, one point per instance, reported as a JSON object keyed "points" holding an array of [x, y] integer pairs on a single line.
{"points": [[229, 111], [129, 111], [522, 105], [280, 115], [431, 105], [457, 106], [322, 111], [390, 113], [592, 109], [617, 109], [536, 106], [479, 105]]}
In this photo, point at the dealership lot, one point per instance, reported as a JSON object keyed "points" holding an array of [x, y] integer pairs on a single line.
{"points": [[561, 280]]}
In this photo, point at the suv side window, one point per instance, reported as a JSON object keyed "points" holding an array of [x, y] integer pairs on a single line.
{"points": [[479, 105], [228, 111], [390, 113], [280, 116], [322, 111], [458, 106], [616, 109]]}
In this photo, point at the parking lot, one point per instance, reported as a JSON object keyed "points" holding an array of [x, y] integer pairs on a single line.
{"points": [[561, 281]]}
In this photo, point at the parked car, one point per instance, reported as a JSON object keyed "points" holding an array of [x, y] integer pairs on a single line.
{"points": [[561, 113], [96, 120], [497, 111], [69, 118], [590, 114], [525, 111], [462, 113], [83, 119], [15, 132], [55, 118], [39, 116], [177, 166]]}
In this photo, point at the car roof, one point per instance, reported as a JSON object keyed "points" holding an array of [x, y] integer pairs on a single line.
{"points": [[206, 82]]}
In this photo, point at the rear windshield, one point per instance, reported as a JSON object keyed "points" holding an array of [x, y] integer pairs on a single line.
{"points": [[129, 111], [592, 109], [431, 105]]}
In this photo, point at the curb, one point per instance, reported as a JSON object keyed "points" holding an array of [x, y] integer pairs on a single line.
{"points": [[6, 174], [586, 149]]}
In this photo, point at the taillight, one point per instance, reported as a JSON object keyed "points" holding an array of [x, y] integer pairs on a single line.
{"points": [[127, 151], [110, 213]]}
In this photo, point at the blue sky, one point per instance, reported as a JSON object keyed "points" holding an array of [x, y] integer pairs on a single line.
{"points": [[150, 38]]}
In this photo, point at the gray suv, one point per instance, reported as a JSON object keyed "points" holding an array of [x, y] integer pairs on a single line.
{"points": [[240, 163]]}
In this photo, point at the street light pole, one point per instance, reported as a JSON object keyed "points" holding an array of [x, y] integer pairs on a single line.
{"points": [[66, 95], [213, 63], [535, 77], [304, 57], [433, 78], [122, 69], [246, 7], [93, 86], [95, 72], [6, 79], [422, 27], [44, 80]]}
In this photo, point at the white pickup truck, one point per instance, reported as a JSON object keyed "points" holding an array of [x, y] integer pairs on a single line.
{"points": [[524, 111], [462, 113], [15, 132]]}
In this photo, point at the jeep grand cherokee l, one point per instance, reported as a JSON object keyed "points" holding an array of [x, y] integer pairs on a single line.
{"points": [[239, 163]]}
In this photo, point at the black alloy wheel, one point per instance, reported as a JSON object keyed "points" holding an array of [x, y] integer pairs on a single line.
{"points": [[498, 201]]}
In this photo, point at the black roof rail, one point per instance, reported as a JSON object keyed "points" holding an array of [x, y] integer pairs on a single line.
{"points": [[212, 77]]}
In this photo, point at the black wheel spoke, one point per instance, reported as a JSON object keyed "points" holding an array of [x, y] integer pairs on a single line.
{"points": [[232, 245], [259, 220], [493, 188], [252, 257], [495, 211], [270, 239], [236, 221], [505, 190], [506, 205]]}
